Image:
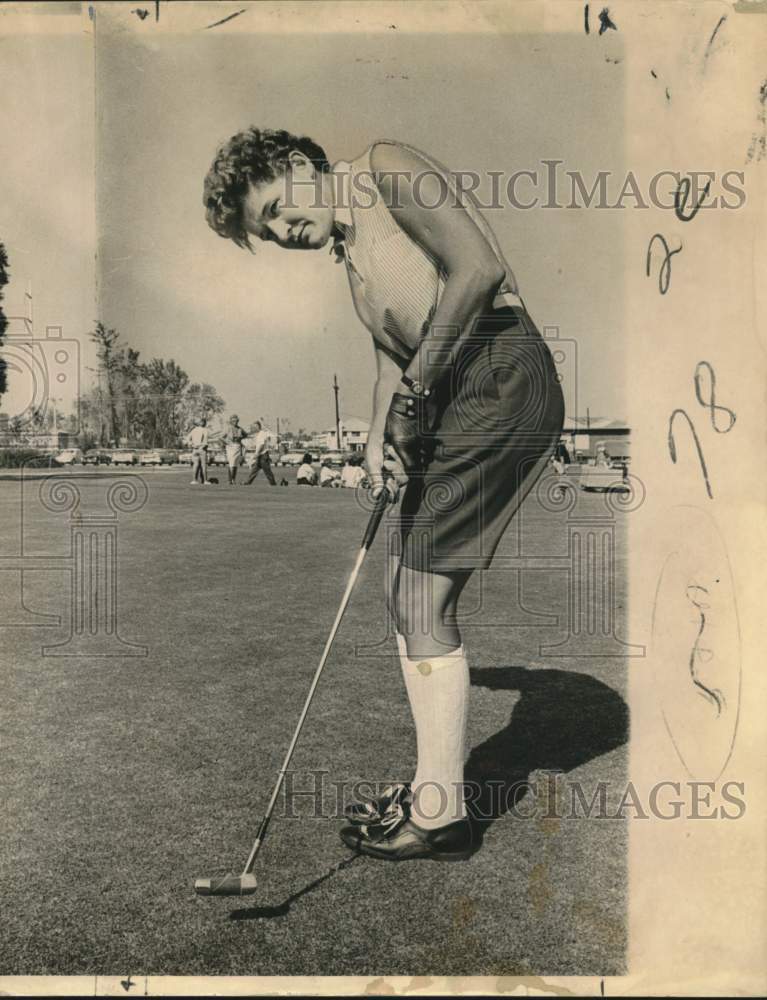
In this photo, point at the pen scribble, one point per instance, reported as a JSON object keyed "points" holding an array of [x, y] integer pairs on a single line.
{"points": [[225, 19], [713, 408], [697, 643], [680, 200], [605, 22], [710, 404], [706, 54], [714, 696], [664, 274], [758, 147], [672, 446]]}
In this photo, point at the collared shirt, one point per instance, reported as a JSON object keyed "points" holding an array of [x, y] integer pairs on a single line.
{"points": [[235, 434], [307, 472], [352, 476], [260, 442], [327, 474], [395, 283], [198, 437]]}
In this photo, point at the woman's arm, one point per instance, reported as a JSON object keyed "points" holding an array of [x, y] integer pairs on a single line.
{"points": [[408, 184], [388, 374]]}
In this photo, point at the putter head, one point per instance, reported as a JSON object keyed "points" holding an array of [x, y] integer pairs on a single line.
{"points": [[226, 885]]}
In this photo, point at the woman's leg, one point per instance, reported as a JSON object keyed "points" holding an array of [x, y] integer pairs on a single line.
{"points": [[437, 680], [424, 609]]}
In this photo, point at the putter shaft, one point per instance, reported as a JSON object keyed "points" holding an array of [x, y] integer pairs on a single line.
{"points": [[236, 885]]}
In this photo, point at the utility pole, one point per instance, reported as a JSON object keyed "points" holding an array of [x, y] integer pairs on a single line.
{"points": [[338, 418]]}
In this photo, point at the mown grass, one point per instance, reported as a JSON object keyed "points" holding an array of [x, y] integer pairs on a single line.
{"points": [[124, 779]]}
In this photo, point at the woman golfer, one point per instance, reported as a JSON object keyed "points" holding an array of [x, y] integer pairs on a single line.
{"points": [[235, 453], [466, 404]]}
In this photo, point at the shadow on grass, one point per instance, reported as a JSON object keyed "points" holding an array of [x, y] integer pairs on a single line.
{"points": [[282, 909], [562, 720]]}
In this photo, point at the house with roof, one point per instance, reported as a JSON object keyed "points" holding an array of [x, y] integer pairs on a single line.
{"points": [[354, 435]]}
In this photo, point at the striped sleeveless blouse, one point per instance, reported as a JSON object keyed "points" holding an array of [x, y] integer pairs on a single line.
{"points": [[395, 283]]}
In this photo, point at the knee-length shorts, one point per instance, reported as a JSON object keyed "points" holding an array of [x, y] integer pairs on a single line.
{"points": [[492, 426]]}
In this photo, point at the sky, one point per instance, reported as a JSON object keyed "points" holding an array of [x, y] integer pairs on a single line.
{"points": [[270, 330], [47, 199]]}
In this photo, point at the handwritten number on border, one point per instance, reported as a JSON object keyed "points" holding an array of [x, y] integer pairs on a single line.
{"points": [[711, 405], [680, 200], [664, 275]]}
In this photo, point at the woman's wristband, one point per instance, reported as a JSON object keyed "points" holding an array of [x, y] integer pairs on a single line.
{"points": [[417, 387]]}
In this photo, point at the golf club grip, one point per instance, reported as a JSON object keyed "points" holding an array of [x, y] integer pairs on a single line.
{"points": [[375, 518]]}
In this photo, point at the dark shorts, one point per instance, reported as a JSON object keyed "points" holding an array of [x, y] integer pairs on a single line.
{"points": [[497, 417]]}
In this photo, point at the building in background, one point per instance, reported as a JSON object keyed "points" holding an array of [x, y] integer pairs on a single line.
{"points": [[581, 436], [354, 436]]}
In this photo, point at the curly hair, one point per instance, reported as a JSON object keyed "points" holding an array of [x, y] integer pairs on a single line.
{"points": [[254, 156]]}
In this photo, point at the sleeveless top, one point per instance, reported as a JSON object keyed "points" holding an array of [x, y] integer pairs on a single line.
{"points": [[395, 282]]}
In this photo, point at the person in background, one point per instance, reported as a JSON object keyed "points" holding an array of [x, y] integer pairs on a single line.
{"points": [[233, 439], [352, 474], [197, 440], [306, 476], [328, 475], [260, 458]]}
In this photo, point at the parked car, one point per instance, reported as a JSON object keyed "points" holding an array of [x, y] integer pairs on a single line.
{"points": [[604, 478], [168, 456], [70, 456], [96, 457], [336, 458], [185, 457], [292, 458], [124, 457], [216, 458], [150, 458]]}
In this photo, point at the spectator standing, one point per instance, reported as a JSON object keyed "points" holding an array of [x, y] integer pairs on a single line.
{"points": [[261, 458], [233, 439], [197, 440]]}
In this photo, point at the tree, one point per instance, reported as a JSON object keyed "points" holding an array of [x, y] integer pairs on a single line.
{"points": [[130, 389], [4, 279], [147, 405], [110, 358], [90, 423], [164, 384], [200, 400]]}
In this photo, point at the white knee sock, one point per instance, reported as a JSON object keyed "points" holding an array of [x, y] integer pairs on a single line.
{"points": [[438, 689]]}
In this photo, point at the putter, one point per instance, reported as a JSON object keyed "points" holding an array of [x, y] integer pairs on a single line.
{"points": [[245, 883]]}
